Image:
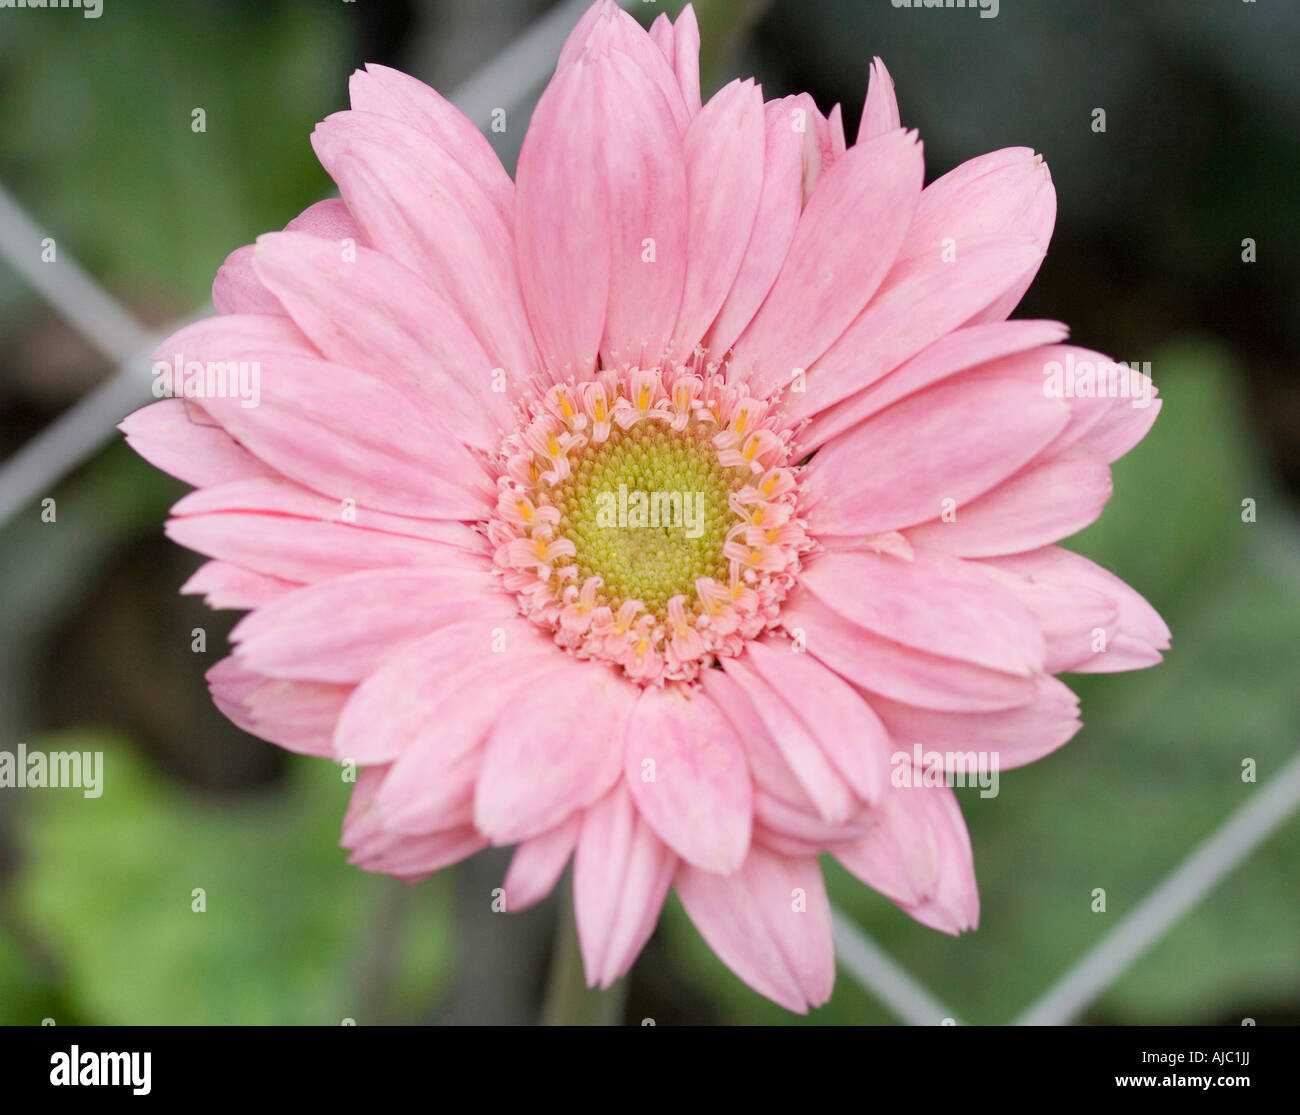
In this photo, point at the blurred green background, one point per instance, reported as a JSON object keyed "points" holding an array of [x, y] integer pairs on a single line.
{"points": [[1200, 152]]}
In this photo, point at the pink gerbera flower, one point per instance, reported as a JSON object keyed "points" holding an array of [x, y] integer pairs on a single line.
{"points": [[663, 509]]}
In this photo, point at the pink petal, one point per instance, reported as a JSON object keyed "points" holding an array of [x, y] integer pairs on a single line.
{"points": [[538, 863], [621, 876], [823, 143], [845, 242], [238, 290], [439, 736], [297, 715], [661, 34], [1120, 427], [1043, 503], [329, 219], [920, 858], [770, 923], [412, 858], [602, 11], [686, 771], [339, 630], [351, 436], [950, 442], [779, 204], [1068, 615], [771, 773], [638, 159], [231, 586], [904, 674], [230, 682], [416, 696], [182, 440], [420, 207], [898, 855], [231, 337], [955, 905], [880, 112], [932, 603], [792, 831], [835, 129], [559, 751], [1007, 191], [1018, 736], [843, 724], [305, 550], [1001, 192], [370, 313], [1108, 425], [922, 299], [391, 93], [414, 809], [964, 348], [563, 222], [686, 57], [832, 796], [606, 27], [329, 426], [1053, 580], [277, 495], [724, 148], [602, 177]]}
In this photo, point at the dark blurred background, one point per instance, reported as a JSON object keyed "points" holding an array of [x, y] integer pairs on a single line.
{"points": [[1200, 153]]}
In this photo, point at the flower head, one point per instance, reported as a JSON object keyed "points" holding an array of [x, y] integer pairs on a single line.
{"points": [[686, 508]]}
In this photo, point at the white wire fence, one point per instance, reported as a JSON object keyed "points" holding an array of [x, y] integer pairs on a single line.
{"points": [[507, 81]]}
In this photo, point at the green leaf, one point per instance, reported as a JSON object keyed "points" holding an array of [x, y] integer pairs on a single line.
{"points": [[289, 929]]}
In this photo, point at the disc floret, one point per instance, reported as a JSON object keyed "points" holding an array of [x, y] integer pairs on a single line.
{"points": [[649, 518]]}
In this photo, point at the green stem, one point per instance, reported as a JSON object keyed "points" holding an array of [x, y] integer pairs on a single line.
{"points": [[569, 1001]]}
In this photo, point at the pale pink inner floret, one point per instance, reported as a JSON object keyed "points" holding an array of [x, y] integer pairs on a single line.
{"points": [[685, 412]]}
